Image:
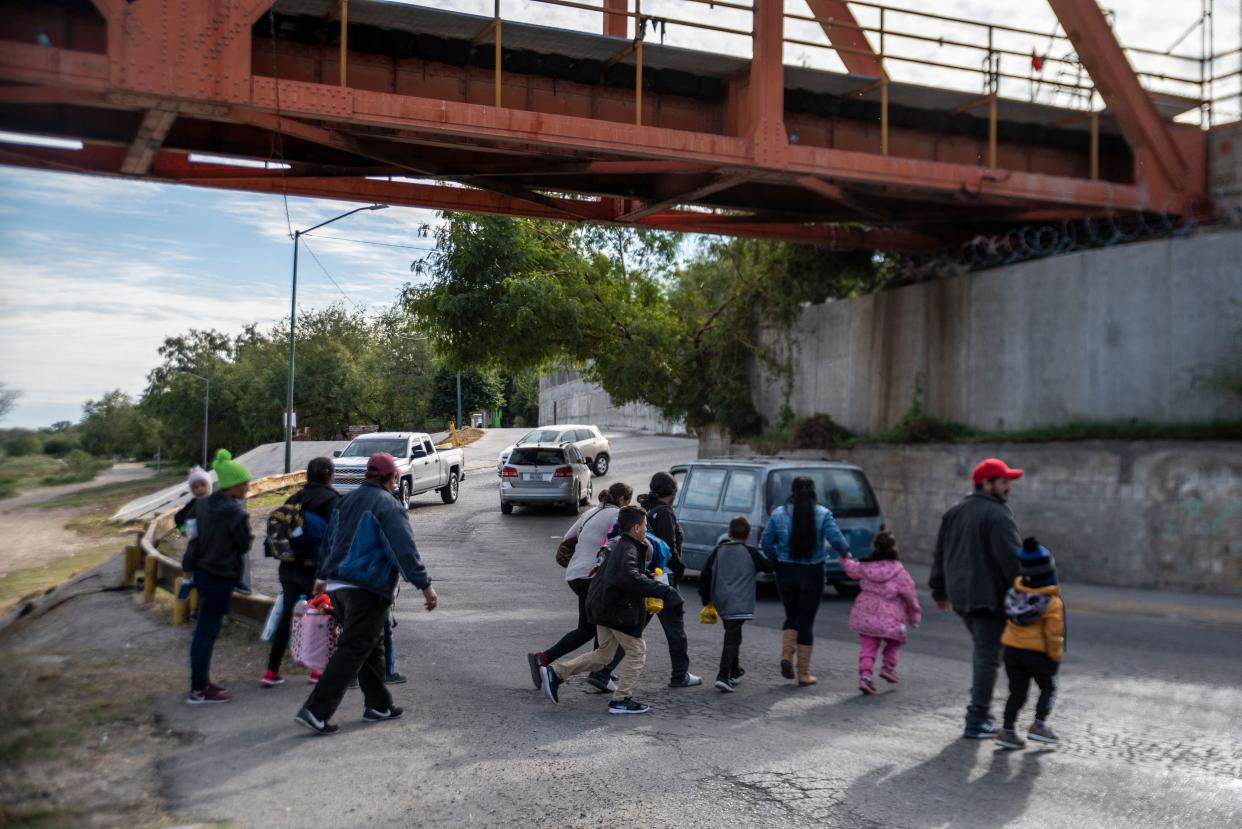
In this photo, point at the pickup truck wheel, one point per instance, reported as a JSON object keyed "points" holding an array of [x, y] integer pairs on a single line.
{"points": [[506, 508], [404, 494], [600, 467], [448, 493]]}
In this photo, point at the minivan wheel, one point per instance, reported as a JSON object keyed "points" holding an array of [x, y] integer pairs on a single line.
{"points": [[571, 506], [404, 495], [506, 508], [600, 467], [448, 493], [849, 591], [590, 496]]}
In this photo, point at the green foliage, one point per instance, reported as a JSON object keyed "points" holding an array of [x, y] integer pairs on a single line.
{"points": [[917, 426], [1132, 429], [521, 394], [820, 431], [60, 443], [522, 294], [19, 442], [76, 467], [350, 368], [479, 390], [114, 425]]}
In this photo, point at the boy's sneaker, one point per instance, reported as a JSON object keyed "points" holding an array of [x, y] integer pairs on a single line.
{"points": [[866, 684], [551, 683], [315, 724], [985, 730], [1009, 739], [627, 706], [889, 675], [1041, 733], [687, 681], [395, 678], [313, 677], [271, 678], [371, 715], [536, 661], [602, 683], [725, 686]]}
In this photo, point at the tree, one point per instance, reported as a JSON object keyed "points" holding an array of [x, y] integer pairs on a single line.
{"points": [[8, 399], [114, 425], [479, 390], [519, 294]]}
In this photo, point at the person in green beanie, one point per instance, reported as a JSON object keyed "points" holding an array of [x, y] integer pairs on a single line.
{"points": [[216, 561]]}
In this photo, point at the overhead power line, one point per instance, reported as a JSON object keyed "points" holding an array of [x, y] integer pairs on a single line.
{"points": [[360, 308]]}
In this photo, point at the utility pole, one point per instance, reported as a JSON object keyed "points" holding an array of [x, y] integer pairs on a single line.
{"points": [[206, 409]]}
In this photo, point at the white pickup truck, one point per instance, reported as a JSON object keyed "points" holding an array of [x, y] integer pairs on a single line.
{"points": [[420, 466]]}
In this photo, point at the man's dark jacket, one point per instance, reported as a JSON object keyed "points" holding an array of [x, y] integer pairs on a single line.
{"points": [[662, 523], [976, 557], [616, 597], [223, 537]]}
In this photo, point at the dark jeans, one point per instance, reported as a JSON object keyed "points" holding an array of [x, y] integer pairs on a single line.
{"points": [[359, 653], [729, 666], [296, 582], [1022, 666], [673, 620], [985, 629], [215, 595], [390, 655], [583, 633], [802, 589]]}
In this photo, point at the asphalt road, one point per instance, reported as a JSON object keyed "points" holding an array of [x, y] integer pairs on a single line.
{"points": [[1150, 714]]}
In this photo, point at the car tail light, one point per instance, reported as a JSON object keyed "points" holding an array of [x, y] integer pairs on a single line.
{"points": [[509, 472], [563, 472]]}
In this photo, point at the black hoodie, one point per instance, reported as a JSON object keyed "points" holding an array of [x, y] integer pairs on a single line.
{"points": [[663, 523], [223, 537]]}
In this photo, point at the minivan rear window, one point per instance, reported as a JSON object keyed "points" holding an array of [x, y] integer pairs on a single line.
{"points": [[536, 457], [844, 491]]}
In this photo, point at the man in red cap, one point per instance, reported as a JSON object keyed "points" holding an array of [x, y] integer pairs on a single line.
{"points": [[976, 561], [368, 545]]}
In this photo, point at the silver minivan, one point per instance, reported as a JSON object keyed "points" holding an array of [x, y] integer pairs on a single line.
{"points": [[546, 475]]}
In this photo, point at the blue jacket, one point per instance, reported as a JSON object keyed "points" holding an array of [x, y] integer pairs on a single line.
{"points": [[780, 525], [369, 543]]}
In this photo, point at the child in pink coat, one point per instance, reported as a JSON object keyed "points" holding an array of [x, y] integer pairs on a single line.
{"points": [[885, 609]]}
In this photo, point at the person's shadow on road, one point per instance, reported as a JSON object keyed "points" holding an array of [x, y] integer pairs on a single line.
{"points": [[940, 790]]}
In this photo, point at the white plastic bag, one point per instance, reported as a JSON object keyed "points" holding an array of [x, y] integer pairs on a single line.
{"points": [[273, 618], [317, 633]]}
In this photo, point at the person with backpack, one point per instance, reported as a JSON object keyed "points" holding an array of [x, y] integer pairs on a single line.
{"points": [[295, 532], [616, 605], [798, 536], [727, 583], [216, 559], [368, 548], [663, 524], [584, 539], [1034, 641]]}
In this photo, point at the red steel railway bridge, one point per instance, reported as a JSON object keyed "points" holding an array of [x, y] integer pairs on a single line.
{"points": [[409, 105]]}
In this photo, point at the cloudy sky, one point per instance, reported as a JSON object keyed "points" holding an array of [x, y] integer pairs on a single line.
{"points": [[96, 272]]}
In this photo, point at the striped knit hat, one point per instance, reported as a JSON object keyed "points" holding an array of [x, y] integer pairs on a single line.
{"points": [[1036, 564]]}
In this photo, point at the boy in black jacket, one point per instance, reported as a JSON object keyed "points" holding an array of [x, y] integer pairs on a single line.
{"points": [[728, 583], [297, 578], [616, 604], [216, 560]]}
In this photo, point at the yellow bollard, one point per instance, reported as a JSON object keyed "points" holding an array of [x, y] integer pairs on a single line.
{"points": [[148, 586], [133, 561], [181, 609], [193, 599]]}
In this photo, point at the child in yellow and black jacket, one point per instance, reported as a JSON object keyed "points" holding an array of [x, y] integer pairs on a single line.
{"points": [[1034, 641]]}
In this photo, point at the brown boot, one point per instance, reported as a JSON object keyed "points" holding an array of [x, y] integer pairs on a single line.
{"points": [[804, 665], [789, 639]]}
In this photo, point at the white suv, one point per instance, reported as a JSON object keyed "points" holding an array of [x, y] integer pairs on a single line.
{"points": [[596, 448]]}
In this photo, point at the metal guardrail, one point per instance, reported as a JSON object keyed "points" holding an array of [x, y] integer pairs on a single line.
{"points": [[160, 571]]}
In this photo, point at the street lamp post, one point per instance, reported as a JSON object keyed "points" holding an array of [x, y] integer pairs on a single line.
{"points": [[206, 405], [293, 310]]}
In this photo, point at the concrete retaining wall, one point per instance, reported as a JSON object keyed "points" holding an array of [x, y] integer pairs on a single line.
{"points": [[564, 397], [1107, 334], [1159, 515]]}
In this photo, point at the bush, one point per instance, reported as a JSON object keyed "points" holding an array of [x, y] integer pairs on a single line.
{"points": [[76, 467], [18, 443], [820, 431], [60, 445]]}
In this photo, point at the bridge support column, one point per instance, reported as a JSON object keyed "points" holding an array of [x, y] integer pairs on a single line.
{"points": [[765, 92]]}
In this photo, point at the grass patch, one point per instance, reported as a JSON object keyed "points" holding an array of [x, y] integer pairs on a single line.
{"points": [[111, 495], [270, 499], [20, 584]]}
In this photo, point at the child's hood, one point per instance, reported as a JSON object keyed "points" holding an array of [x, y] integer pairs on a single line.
{"points": [[881, 571]]}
